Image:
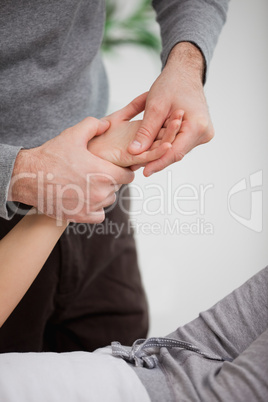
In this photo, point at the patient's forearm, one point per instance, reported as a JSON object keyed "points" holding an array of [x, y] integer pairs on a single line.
{"points": [[23, 252]]}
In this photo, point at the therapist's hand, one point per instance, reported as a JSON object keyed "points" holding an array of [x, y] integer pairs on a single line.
{"points": [[62, 179], [179, 87]]}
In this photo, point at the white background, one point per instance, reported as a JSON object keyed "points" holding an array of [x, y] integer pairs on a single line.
{"points": [[187, 273]]}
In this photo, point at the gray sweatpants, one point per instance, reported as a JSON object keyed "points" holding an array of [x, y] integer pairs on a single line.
{"points": [[235, 329], [220, 356]]}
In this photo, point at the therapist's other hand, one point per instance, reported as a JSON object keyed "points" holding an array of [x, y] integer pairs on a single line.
{"points": [[62, 179], [179, 87]]}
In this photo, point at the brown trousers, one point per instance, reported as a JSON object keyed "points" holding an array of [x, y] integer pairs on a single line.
{"points": [[88, 294]]}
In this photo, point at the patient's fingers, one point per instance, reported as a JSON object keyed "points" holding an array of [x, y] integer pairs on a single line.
{"points": [[172, 130], [183, 144], [166, 135], [151, 155], [171, 127], [155, 145]]}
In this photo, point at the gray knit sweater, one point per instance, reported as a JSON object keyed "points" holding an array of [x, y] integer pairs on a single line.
{"points": [[51, 72]]}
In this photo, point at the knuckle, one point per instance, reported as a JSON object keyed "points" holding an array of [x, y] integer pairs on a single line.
{"points": [[144, 132], [104, 179], [154, 107]]}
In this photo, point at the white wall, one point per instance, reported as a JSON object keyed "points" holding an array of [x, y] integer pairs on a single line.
{"points": [[187, 273]]}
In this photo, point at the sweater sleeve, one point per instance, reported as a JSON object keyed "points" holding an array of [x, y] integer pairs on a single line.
{"points": [[8, 154], [196, 21]]}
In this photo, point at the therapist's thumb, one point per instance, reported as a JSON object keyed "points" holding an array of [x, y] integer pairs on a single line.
{"points": [[147, 132]]}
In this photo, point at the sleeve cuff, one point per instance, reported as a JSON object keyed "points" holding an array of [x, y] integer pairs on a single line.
{"points": [[203, 49], [198, 22], [8, 154]]}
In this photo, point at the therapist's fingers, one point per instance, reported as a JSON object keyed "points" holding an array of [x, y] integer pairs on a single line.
{"points": [[171, 131], [176, 115]]}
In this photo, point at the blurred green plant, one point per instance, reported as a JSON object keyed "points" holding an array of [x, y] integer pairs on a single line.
{"points": [[137, 28]]}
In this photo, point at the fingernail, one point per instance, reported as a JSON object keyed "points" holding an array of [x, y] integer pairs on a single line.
{"points": [[135, 144]]}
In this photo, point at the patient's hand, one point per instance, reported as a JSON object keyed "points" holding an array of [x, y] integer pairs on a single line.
{"points": [[113, 144]]}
